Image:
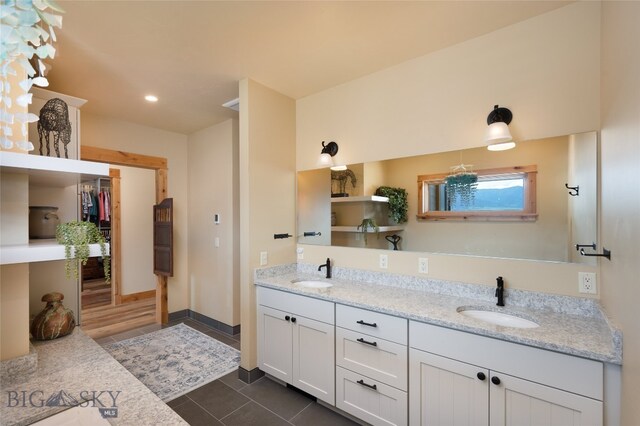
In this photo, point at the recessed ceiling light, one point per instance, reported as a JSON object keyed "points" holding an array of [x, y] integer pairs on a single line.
{"points": [[151, 98]]}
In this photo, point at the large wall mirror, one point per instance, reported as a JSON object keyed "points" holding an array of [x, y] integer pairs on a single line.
{"points": [[560, 220]]}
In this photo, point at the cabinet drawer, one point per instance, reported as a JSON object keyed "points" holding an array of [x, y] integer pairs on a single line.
{"points": [[374, 357], [571, 373], [374, 324], [319, 310], [370, 400]]}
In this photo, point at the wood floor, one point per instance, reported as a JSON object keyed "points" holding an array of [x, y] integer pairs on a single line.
{"points": [[107, 320], [95, 293]]}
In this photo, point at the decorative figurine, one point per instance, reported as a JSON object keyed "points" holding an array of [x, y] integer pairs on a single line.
{"points": [[54, 117], [393, 239]]}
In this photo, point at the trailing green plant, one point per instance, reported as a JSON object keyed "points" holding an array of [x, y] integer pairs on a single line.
{"points": [[463, 186], [77, 236], [366, 224], [398, 204]]}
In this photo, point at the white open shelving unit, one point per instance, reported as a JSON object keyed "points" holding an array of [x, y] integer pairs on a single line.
{"points": [[52, 172], [373, 198], [364, 199], [391, 228]]}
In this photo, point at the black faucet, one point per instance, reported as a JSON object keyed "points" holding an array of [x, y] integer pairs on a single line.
{"points": [[328, 266], [500, 292]]}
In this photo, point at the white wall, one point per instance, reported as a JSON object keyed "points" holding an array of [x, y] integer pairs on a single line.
{"points": [[545, 69], [137, 198], [620, 142], [105, 132], [214, 188], [267, 194]]}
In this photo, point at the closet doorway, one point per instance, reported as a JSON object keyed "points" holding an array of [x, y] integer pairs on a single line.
{"points": [[159, 166], [100, 204]]}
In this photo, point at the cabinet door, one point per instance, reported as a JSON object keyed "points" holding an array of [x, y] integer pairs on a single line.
{"points": [[446, 392], [275, 343], [520, 402], [314, 358]]}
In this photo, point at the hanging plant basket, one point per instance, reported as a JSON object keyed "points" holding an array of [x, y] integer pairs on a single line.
{"points": [[462, 185], [78, 235]]}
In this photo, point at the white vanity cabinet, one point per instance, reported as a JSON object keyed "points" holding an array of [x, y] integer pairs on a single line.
{"points": [[371, 365], [465, 379], [296, 340]]}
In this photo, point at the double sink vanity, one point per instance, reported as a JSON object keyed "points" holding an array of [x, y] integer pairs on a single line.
{"points": [[394, 349]]}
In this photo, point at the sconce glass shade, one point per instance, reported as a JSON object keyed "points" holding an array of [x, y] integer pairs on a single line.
{"points": [[497, 132], [502, 146], [325, 160]]}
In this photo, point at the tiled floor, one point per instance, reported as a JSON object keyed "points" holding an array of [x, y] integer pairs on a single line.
{"points": [[229, 401]]}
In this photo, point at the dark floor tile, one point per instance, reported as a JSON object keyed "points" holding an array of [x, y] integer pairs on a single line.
{"points": [[203, 328], [127, 335], [195, 415], [283, 401], [317, 415], [178, 401], [218, 398], [223, 338], [233, 381], [253, 414], [149, 328]]}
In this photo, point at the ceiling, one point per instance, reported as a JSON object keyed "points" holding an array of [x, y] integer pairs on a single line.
{"points": [[191, 54]]}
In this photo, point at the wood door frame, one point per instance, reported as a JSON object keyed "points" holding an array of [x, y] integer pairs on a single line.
{"points": [[159, 165]]}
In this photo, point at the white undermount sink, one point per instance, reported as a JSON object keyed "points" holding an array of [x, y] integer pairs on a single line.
{"points": [[497, 318], [313, 284]]}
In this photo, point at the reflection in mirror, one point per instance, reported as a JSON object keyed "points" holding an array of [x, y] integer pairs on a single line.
{"points": [[559, 223]]}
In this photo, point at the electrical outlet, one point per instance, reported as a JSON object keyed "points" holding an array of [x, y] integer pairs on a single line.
{"points": [[587, 282], [264, 258], [216, 242], [423, 265], [300, 251], [384, 261]]}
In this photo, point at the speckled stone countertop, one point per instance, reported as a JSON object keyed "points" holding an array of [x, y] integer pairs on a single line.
{"points": [[570, 325], [71, 369]]}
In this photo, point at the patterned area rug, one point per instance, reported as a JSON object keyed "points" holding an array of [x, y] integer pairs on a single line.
{"points": [[175, 360]]}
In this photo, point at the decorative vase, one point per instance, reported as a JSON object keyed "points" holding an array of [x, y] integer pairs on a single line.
{"points": [[54, 321], [43, 221]]}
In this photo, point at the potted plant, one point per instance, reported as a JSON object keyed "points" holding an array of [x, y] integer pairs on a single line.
{"points": [[366, 224], [398, 204], [78, 235]]}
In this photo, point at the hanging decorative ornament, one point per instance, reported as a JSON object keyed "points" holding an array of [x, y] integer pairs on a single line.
{"points": [[27, 34]]}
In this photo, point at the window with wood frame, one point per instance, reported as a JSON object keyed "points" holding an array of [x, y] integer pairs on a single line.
{"points": [[501, 194]]}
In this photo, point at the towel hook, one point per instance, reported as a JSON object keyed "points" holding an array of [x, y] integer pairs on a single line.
{"points": [[574, 191]]}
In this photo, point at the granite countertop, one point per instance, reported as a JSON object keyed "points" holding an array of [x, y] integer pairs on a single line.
{"points": [[569, 325], [71, 369]]}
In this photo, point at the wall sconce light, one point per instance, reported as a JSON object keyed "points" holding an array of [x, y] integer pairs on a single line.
{"points": [[326, 156], [497, 135]]}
